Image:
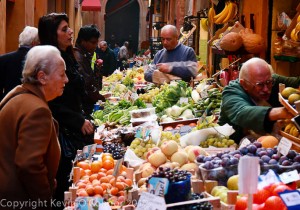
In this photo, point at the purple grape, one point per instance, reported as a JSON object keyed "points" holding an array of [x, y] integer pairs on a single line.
{"points": [[234, 161], [257, 144], [270, 152], [266, 158], [297, 158], [281, 159], [286, 163], [252, 148], [276, 157], [200, 158], [291, 154], [208, 165], [262, 153], [273, 162], [225, 162], [243, 150]]}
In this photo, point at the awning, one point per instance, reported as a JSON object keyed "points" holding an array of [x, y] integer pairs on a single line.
{"points": [[91, 5]]}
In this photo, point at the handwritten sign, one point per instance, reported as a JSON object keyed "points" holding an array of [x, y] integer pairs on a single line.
{"points": [[149, 201], [284, 146], [244, 143], [289, 177], [291, 199]]}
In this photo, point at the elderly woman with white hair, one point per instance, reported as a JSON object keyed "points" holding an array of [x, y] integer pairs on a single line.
{"points": [[29, 145]]}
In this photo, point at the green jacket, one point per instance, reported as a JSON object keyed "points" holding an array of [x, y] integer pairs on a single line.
{"points": [[239, 111]]}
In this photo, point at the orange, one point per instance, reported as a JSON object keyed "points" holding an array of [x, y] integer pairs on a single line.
{"points": [[121, 179], [120, 185], [104, 155], [108, 164], [98, 190], [82, 172], [110, 172], [93, 177], [112, 181], [110, 177], [88, 172], [100, 175], [114, 191], [268, 141], [95, 182], [81, 185], [107, 158], [84, 165], [90, 190], [128, 182], [82, 193], [104, 180], [104, 186], [96, 166], [103, 170]]}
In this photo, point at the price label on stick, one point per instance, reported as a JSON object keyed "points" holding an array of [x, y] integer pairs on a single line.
{"points": [[148, 201], [244, 143], [117, 167], [284, 146]]}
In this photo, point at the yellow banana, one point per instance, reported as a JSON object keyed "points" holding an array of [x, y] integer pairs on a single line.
{"points": [[295, 132], [232, 10], [211, 14], [288, 127], [291, 130], [219, 18], [293, 35], [298, 19]]}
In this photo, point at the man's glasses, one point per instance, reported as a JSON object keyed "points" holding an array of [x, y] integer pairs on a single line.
{"points": [[260, 85]]}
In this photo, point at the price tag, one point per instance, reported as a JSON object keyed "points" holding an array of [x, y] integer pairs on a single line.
{"points": [[89, 150], [244, 143], [204, 94], [268, 179], [291, 199], [289, 177], [284, 146], [149, 201], [117, 167], [184, 100]]}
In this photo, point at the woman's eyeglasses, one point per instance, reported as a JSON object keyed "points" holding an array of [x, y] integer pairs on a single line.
{"points": [[260, 85]]}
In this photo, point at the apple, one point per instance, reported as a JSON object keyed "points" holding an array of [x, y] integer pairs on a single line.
{"points": [[151, 151], [169, 147]]}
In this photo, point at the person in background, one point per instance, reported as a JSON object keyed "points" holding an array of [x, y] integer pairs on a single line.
{"points": [[175, 58], [123, 56], [108, 57], [116, 50], [75, 131], [251, 103], [11, 64], [85, 47], [29, 138]]}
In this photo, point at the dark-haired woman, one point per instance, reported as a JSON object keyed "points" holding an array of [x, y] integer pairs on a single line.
{"points": [[74, 129]]}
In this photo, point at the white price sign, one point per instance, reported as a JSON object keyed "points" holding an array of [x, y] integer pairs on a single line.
{"points": [[149, 201], [244, 143], [284, 146], [289, 177]]}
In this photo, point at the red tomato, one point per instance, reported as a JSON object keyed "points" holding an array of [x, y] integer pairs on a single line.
{"points": [[279, 189], [257, 207], [261, 196], [275, 203], [292, 185], [241, 203], [273, 186]]}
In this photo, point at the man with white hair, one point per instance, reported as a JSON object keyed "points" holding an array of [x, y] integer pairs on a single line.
{"points": [[250, 103], [11, 64]]}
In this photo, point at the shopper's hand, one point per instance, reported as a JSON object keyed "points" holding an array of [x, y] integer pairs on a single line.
{"points": [[87, 128], [99, 62], [163, 67], [279, 113]]}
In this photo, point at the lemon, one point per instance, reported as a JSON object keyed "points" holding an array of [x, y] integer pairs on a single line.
{"points": [[287, 92], [233, 182], [293, 97]]}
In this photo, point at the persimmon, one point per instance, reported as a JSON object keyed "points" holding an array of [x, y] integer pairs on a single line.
{"points": [[120, 185], [261, 196], [112, 181], [82, 193], [110, 177], [274, 203], [90, 190], [81, 185], [93, 177], [110, 172], [96, 182], [100, 175], [104, 186]]}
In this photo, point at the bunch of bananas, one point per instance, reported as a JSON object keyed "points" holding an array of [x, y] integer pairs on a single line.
{"points": [[227, 14], [295, 33], [292, 130]]}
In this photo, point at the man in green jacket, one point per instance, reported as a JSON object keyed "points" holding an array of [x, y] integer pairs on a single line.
{"points": [[251, 102]]}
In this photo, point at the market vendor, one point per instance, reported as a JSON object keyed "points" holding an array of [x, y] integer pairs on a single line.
{"points": [[251, 102], [175, 59]]}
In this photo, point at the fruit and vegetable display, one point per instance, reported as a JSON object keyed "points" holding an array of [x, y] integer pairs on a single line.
{"points": [[118, 114], [223, 165]]}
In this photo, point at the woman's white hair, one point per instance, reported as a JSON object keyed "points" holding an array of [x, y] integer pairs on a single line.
{"points": [[244, 71], [39, 58], [28, 36]]}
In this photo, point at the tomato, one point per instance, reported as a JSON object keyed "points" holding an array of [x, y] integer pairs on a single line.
{"points": [[292, 185], [241, 203], [257, 207], [273, 186], [275, 203], [279, 189], [261, 196]]}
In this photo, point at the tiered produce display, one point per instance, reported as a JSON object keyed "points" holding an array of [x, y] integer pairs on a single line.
{"points": [[179, 111]]}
